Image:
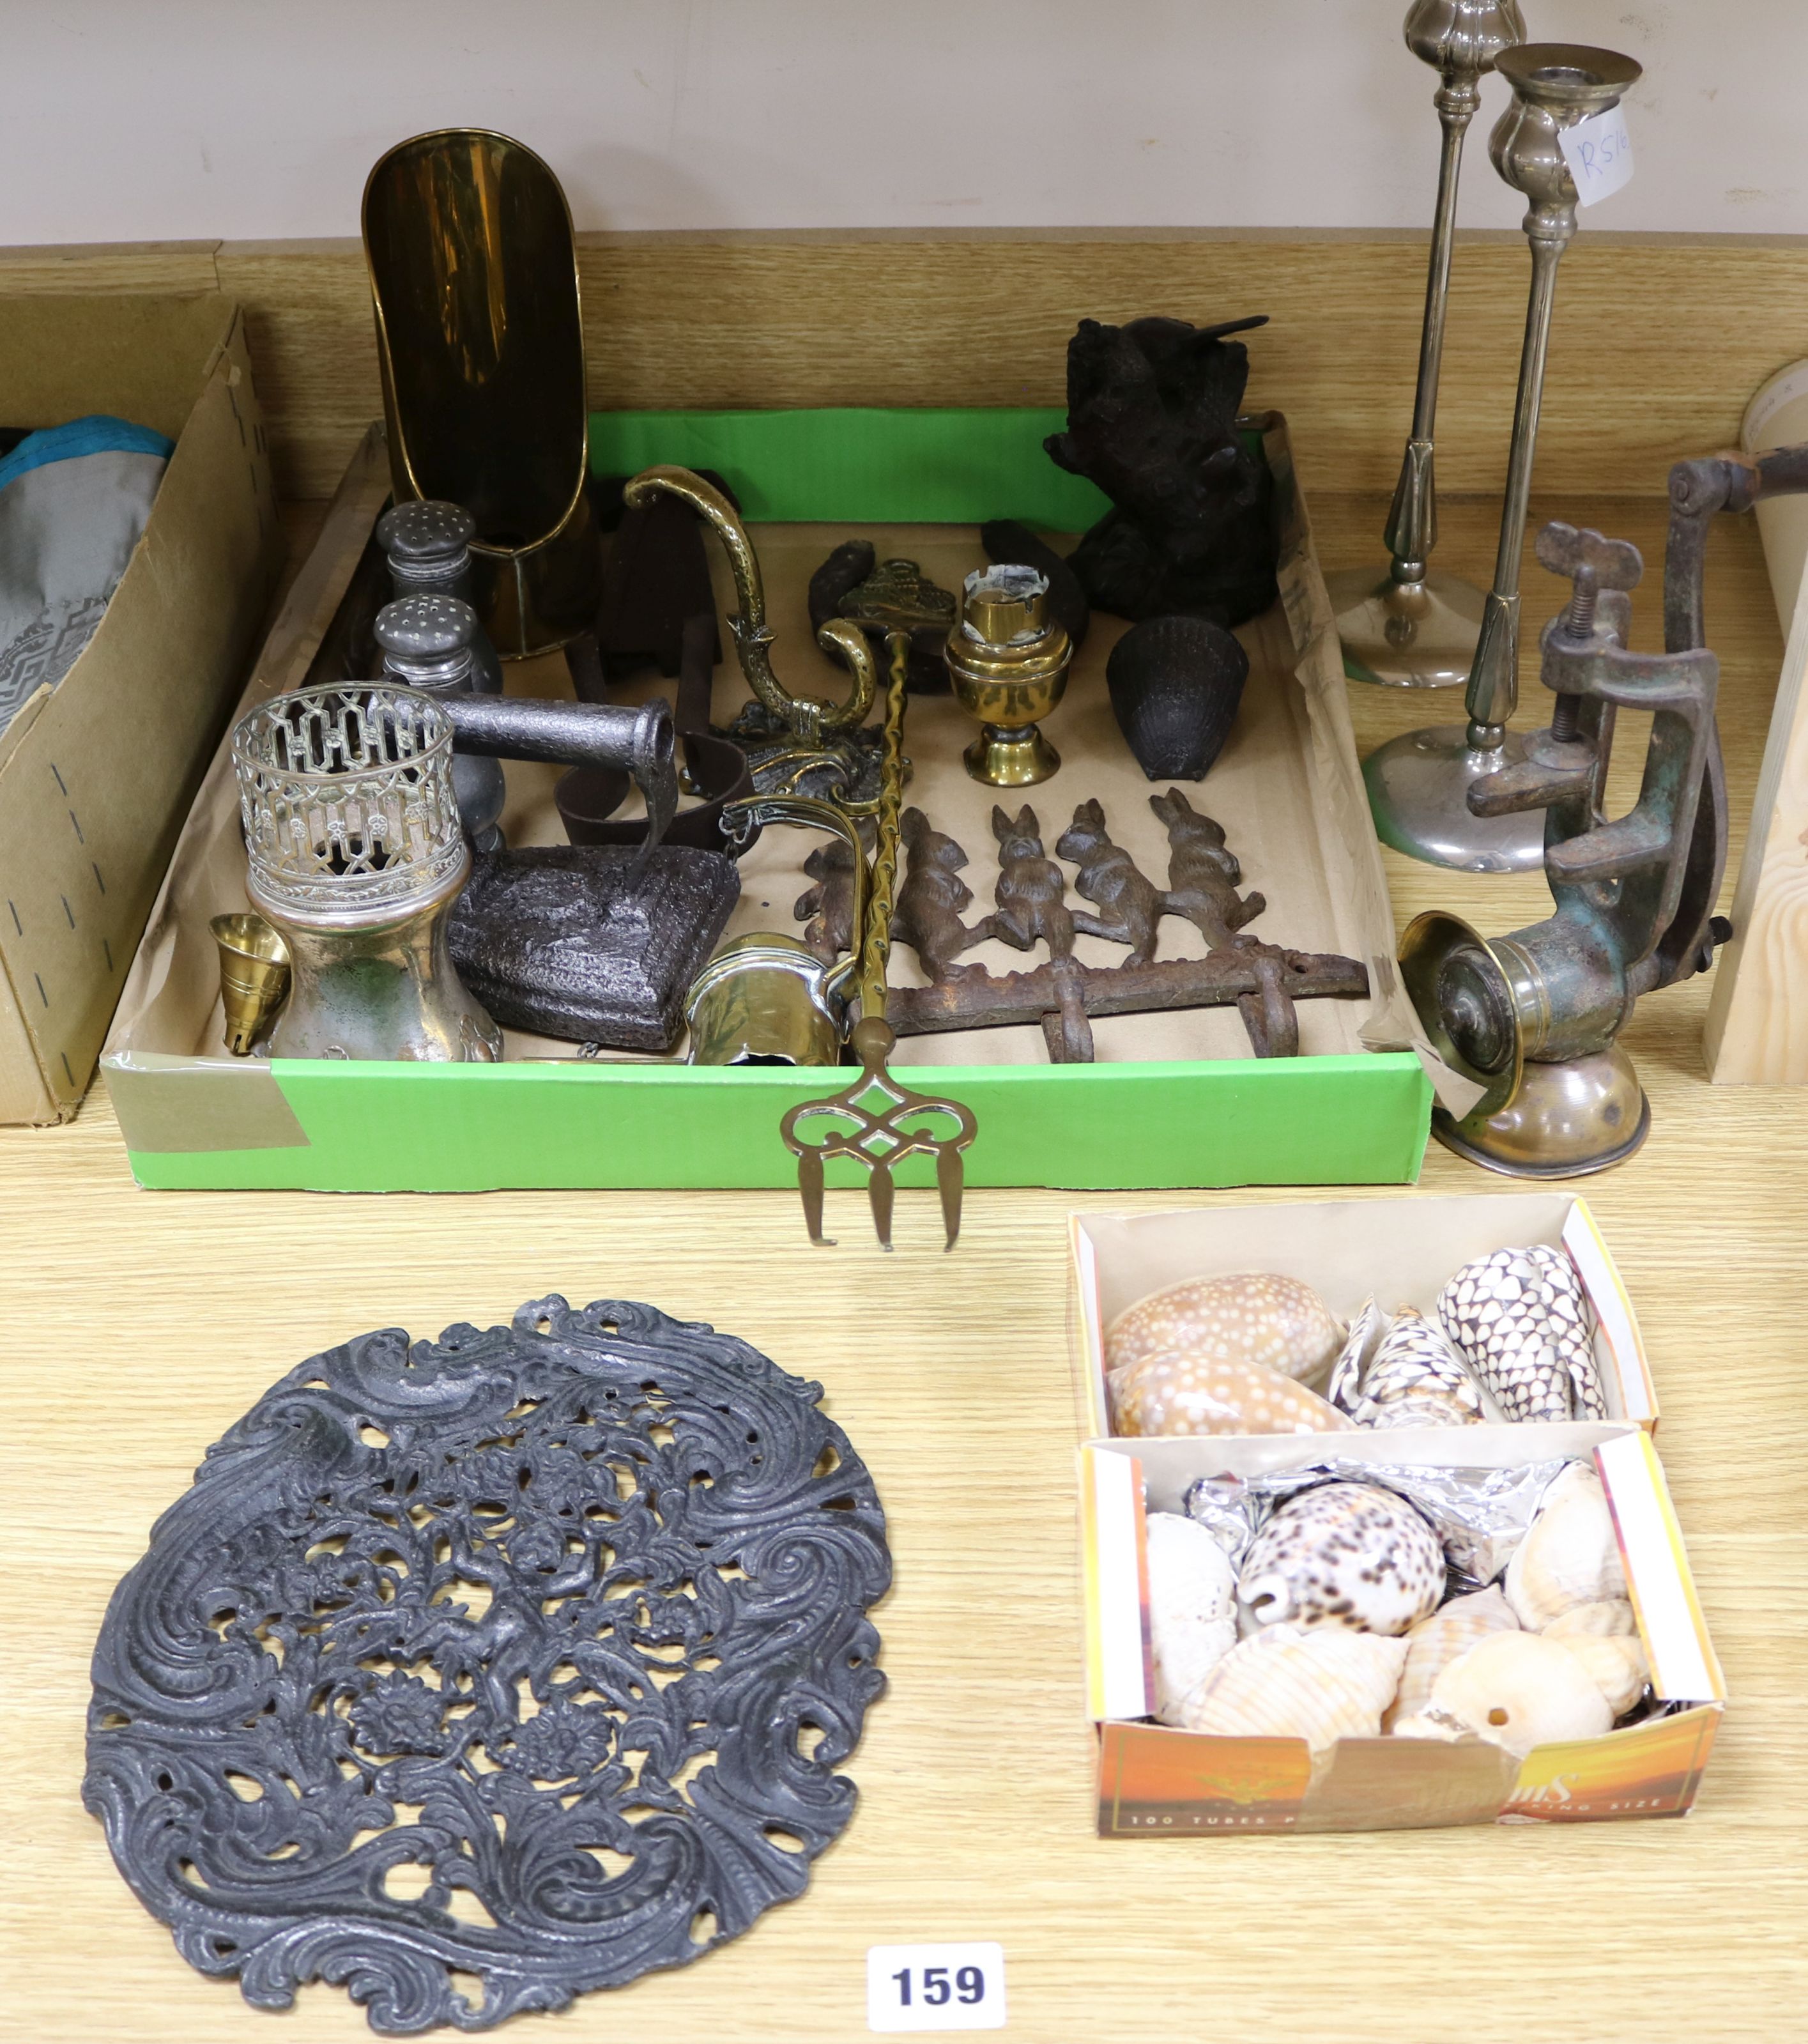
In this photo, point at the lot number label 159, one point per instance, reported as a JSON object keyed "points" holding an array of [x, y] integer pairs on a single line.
{"points": [[936, 1986]]}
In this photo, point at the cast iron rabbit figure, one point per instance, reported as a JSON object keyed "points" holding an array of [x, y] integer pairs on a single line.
{"points": [[827, 908], [1202, 874], [1031, 893], [1130, 902], [927, 914]]}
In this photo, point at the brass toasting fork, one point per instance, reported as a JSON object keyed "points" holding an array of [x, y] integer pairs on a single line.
{"points": [[874, 1103], [896, 600]]}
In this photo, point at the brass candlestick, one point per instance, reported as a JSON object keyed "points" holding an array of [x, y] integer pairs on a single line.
{"points": [[1008, 663], [1419, 785], [1406, 626]]}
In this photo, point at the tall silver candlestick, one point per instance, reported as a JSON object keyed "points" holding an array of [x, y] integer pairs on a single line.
{"points": [[1419, 785], [1405, 626]]}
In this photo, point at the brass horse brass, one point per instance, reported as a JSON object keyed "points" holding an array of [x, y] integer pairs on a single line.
{"points": [[474, 279]]}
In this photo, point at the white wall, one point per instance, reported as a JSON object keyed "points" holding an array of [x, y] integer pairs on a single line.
{"points": [[128, 120]]}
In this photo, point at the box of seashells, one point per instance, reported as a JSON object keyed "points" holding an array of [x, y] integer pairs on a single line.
{"points": [[1375, 1533], [1390, 1628], [1341, 1315]]}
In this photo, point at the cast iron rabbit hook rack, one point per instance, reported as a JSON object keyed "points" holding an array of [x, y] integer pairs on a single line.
{"points": [[1063, 995]]}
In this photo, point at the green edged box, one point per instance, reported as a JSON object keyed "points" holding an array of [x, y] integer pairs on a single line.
{"points": [[1354, 1109]]}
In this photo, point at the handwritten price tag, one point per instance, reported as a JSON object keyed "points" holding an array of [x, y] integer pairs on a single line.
{"points": [[1598, 152], [936, 1986]]}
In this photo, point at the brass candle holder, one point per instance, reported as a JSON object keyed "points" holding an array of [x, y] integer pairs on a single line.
{"points": [[1406, 626], [1008, 663], [1420, 784]]}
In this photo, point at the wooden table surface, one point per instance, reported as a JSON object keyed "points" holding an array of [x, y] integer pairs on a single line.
{"points": [[140, 1325]]}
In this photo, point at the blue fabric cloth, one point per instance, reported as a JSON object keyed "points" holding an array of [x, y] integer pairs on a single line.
{"points": [[97, 433], [75, 501]]}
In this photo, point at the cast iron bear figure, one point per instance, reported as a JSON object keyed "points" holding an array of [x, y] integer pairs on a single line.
{"points": [[1151, 419]]}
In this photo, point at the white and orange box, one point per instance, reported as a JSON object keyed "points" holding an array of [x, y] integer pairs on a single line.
{"points": [[1156, 1781]]}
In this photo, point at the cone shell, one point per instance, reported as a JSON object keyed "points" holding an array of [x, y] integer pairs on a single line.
{"points": [[1521, 1319], [1254, 1317], [1171, 1393], [1435, 1642], [1345, 1554], [1192, 1609], [1417, 1379], [1519, 1690], [1570, 1555], [1612, 1617], [1616, 1664], [1344, 1387], [1318, 1686]]}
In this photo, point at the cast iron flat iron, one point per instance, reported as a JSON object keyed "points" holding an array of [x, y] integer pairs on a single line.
{"points": [[595, 944]]}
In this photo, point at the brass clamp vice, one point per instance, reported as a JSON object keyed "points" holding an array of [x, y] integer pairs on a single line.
{"points": [[1533, 1018]]}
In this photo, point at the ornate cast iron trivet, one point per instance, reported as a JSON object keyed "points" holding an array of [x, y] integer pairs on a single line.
{"points": [[475, 1674]]}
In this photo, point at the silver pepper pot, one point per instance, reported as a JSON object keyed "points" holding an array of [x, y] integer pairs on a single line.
{"points": [[428, 642], [356, 856], [427, 544]]}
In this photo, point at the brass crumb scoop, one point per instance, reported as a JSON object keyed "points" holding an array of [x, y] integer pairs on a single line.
{"points": [[1008, 662]]}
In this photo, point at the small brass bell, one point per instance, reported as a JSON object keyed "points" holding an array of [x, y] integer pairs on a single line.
{"points": [[254, 976]]}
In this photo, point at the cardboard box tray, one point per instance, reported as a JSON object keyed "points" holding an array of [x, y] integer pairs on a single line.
{"points": [[1155, 1781], [97, 773], [1399, 1252], [1173, 1100]]}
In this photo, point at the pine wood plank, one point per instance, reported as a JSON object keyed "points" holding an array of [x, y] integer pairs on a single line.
{"points": [[102, 266], [1658, 340]]}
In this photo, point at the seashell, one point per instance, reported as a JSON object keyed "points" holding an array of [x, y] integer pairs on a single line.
{"points": [[1417, 1379], [1347, 1554], [1430, 1724], [1523, 1321], [1616, 1664], [1169, 1393], [1192, 1609], [1435, 1642], [1344, 1386], [1611, 1616], [1318, 1686], [1520, 1690], [1176, 684], [1255, 1316], [1569, 1555]]}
